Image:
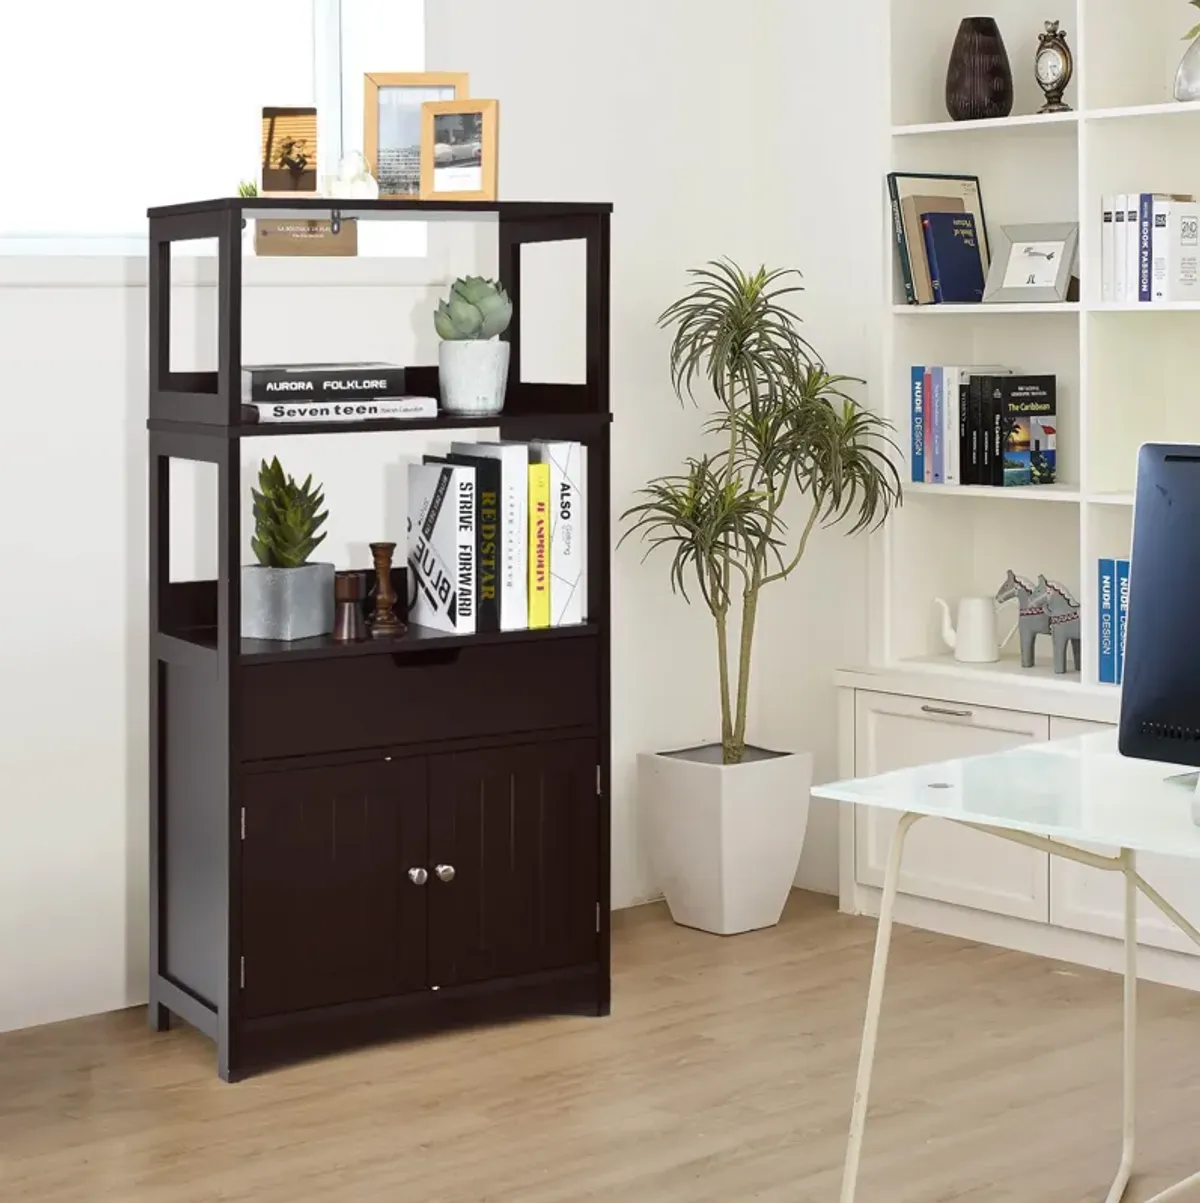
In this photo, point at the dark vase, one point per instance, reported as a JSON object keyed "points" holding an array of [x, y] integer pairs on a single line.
{"points": [[979, 81]]}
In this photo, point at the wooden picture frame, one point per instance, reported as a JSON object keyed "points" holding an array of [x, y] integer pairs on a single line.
{"points": [[472, 178], [400, 175]]}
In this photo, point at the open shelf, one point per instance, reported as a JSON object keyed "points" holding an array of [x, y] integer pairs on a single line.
{"points": [[1006, 671], [275, 207], [990, 310], [1055, 492], [1050, 123]]}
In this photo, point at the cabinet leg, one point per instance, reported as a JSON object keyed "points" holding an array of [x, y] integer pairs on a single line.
{"points": [[158, 1018]]}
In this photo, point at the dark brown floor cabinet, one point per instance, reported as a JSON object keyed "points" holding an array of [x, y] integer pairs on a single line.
{"points": [[355, 842]]}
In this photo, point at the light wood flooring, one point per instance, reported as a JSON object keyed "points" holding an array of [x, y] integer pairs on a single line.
{"points": [[724, 1074]]}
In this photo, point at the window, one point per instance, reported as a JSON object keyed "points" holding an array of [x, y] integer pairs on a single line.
{"points": [[109, 108]]}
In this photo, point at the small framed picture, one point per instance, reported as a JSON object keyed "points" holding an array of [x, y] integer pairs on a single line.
{"points": [[289, 150], [392, 125], [1032, 263], [458, 150]]}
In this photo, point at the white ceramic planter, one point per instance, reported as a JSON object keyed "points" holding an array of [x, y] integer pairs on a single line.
{"points": [[287, 603], [473, 375], [725, 841]]}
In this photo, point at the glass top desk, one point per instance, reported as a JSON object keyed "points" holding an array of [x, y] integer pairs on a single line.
{"points": [[1053, 797]]}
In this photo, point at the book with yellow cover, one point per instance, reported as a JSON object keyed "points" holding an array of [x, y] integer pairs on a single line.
{"points": [[539, 545]]}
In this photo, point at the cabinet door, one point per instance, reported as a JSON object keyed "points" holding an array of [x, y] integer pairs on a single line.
{"points": [[944, 861], [1093, 900], [519, 828], [329, 913]]}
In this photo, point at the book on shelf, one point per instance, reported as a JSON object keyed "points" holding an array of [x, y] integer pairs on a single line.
{"points": [[1024, 430], [513, 462], [568, 522], [1107, 627], [955, 264], [1175, 252], [378, 409], [1149, 248], [1119, 258], [1132, 210], [1107, 242], [913, 193], [539, 545], [441, 546], [321, 381], [917, 422], [947, 423], [1122, 570]]}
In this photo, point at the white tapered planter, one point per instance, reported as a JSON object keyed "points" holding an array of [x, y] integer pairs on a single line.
{"points": [[725, 841], [473, 375]]}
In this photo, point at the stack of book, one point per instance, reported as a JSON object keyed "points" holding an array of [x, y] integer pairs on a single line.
{"points": [[329, 392], [1113, 615], [983, 426], [497, 537], [1149, 249]]}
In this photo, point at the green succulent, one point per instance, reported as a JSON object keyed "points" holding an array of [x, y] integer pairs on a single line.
{"points": [[247, 188], [475, 309], [285, 518]]}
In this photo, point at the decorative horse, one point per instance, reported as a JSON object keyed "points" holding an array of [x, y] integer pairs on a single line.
{"points": [[1064, 621], [1034, 619]]}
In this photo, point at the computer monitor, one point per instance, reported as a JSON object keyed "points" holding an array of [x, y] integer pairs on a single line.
{"points": [[1160, 699]]}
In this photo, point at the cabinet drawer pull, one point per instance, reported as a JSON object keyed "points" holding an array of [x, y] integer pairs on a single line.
{"points": [[445, 872], [418, 876], [947, 711]]}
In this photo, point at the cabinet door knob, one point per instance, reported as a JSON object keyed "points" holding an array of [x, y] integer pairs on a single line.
{"points": [[445, 872], [418, 876]]}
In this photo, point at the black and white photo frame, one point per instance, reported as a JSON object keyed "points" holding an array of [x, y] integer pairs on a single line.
{"points": [[1034, 263]]}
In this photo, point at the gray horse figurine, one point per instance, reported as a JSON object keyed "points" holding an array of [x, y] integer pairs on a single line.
{"points": [[1034, 620], [1064, 621]]}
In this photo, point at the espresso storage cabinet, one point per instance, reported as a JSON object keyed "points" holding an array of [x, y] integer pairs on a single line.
{"points": [[357, 842]]}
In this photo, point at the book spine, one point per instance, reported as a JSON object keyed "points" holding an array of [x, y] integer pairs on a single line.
{"points": [[1132, 212], [931, 259], [1107, 229], [917, 397], [939, 426], [1119, 248], [1160, 251], [333, 412], [964, 430], [568, 519], [1122, 615], [430, 554], [514, 610], [1183, 252], [910, 292], [1145, 236], [322, 384], [950, 432], [1107, 632], [539, 545], [465, 550], [974, 429], [985, 430], [488, 522], [927, 431]]}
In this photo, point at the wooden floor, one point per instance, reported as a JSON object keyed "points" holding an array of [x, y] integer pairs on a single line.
{"points": [[724, 1074]]}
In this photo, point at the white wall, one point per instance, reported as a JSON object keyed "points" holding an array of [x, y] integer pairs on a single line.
{"points": [[691, 117]]}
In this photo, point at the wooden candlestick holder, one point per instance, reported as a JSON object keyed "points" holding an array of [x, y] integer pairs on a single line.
{"points": [[384, 623]]}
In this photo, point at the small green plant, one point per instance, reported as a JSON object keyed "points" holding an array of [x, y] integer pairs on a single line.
{"points": [[1194, 32], [285, 518], [247, 188], [475, 309]]}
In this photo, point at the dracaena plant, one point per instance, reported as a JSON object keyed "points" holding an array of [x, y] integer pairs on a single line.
{"points": [[286, 518], [791, 440]]}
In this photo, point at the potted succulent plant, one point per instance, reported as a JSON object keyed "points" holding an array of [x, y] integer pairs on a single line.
{"points": [[284, 596], [1187, 78], [726, 820], [472, 358]]}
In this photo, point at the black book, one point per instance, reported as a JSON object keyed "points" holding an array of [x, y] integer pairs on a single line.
{"points": [[981, 457], [487, 535], [321, 381], [1025, 433]]}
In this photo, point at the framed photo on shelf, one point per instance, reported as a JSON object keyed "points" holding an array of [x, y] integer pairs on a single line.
{"points": [[458, 150], [289, 150], [1033, 263], [392, 105]]}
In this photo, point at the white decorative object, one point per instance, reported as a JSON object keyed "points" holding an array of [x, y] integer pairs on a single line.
{"points": [[354, 179], [1187, 78], [287, 603], [473, 374], [725, 839], [974, 638]]}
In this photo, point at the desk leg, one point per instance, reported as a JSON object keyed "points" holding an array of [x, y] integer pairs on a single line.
{"points": [[866, 1056], [1129, 1073]]}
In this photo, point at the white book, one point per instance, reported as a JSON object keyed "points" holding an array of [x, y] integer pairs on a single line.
{"points": [[1133, 225], [1107, 242], [951, 414], [1176, 267], [441, 546], [374, 410], [568, 519], [514, 527], [1120, 257]]}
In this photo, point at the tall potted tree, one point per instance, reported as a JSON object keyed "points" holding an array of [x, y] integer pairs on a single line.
{"points": [[727, 819]]}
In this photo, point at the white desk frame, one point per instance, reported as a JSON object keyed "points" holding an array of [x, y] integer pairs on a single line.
{"points": [[1125, 863]]}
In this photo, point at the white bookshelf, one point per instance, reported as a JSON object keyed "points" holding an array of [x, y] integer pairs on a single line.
{"points": [[1126, 373]]}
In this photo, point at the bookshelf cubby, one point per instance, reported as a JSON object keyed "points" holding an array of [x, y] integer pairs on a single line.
{"points": [[1126, 373]]}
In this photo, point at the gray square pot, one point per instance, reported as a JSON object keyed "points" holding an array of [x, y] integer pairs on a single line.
{"points": [[287, 603]]}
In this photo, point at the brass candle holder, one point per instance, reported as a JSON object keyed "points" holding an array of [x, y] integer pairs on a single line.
{"points": [[384, 623]]}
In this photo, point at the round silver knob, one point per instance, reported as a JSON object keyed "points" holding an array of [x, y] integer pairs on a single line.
{"points": [[418, 876], [445, 872]]}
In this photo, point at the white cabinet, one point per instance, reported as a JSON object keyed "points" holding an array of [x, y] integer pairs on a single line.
{"points": [[943, 861], [1092, 900]]}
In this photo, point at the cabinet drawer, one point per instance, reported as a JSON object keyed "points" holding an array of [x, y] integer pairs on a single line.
{"points": [[335, 705]]}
